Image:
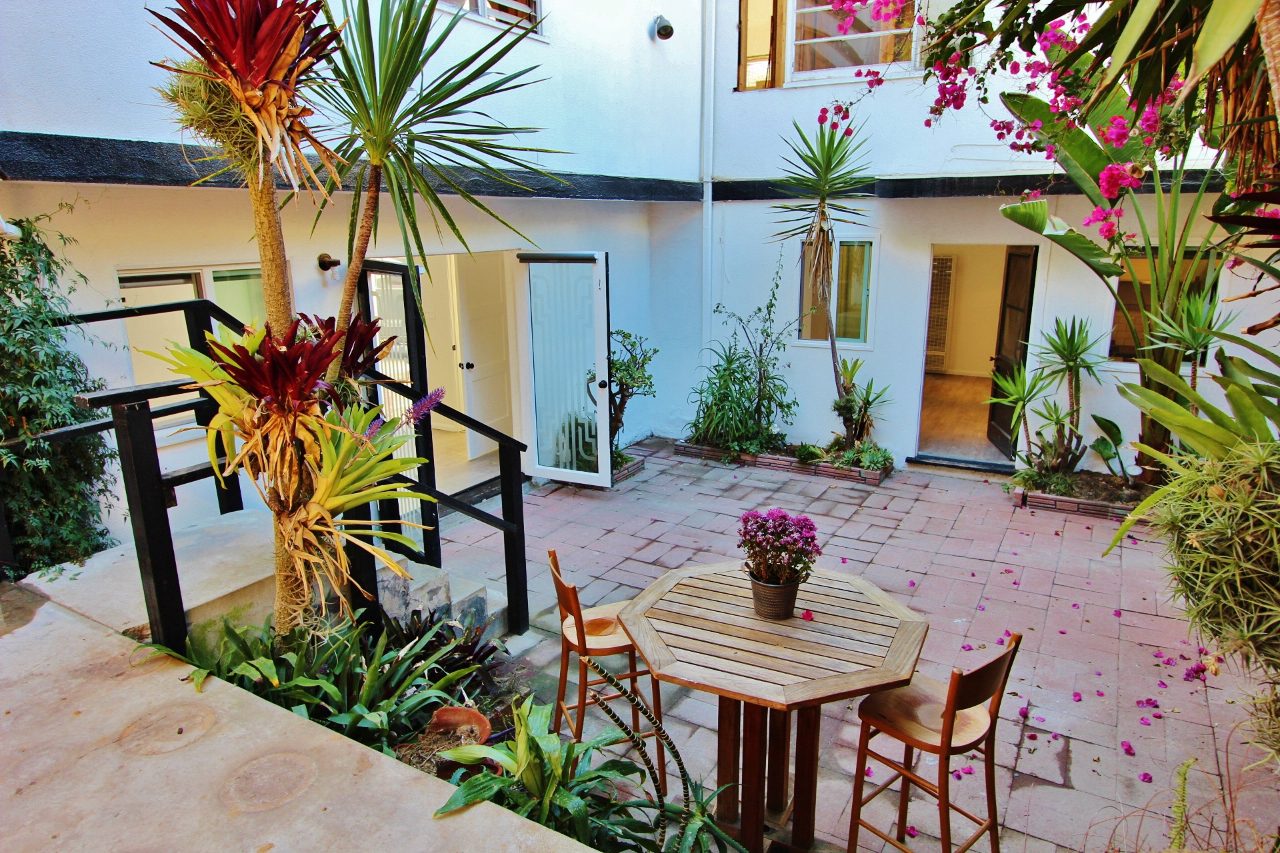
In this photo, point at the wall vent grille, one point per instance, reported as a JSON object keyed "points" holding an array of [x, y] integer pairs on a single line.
{"points": [[939, 314]]}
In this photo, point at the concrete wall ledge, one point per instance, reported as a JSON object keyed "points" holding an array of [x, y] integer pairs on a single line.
{"points": [[104, 749]]}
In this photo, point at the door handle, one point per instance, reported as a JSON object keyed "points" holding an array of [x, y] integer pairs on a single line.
{"points": [[603, 383]]}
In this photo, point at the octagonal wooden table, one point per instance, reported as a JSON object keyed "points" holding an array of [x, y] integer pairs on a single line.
{"points": [[697, 627]]}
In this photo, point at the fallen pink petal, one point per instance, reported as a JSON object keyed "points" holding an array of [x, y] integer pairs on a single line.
{"points": [[1143, 721], [1127, 748], [1076, 697], [807, 615], [912, 832], [1144, 777], [967, 647]]}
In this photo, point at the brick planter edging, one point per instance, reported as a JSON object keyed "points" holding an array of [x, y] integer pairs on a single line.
{"points": [[784, 463], [626, 472], [1076, 506]]}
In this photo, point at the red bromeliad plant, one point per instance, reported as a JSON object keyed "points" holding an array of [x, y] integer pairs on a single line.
{"points": [[310, 460], [239, 89]]}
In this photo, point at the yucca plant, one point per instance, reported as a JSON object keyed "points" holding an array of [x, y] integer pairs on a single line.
{"points": [[1066, 356], [407, 115], [240, 89], [1020, 389], [825, 171], [1190, 329]]}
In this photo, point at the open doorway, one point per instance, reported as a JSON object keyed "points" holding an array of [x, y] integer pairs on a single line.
{"points": [[466, 304], [979, 312]]}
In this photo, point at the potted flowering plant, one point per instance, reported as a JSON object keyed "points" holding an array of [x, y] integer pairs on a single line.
{"points": [[780, 551]]}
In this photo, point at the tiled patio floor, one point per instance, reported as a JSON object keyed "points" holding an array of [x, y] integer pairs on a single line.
{"points": [[955, 549]]}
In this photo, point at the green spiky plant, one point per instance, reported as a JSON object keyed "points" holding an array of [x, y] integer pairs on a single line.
{"points": [[1021, 389], [1190, 328], [825, 171], [408, 116]]}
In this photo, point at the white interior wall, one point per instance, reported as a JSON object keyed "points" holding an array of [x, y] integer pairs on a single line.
{"points": [[976, 286]]}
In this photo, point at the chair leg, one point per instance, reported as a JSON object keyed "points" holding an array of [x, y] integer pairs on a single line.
{"points": [[635, 690], [944, 801], [904, 795], [582, 699], [859, 778], [989, 758], [656, 707], [563, 685]]}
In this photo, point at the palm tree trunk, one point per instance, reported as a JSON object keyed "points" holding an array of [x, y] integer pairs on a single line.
{"points": [[358, 251], [292, 596], [277, 290], [1268, 24]]}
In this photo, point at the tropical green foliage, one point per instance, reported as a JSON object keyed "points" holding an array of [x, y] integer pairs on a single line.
{"points": [[629, 376], [552, 782], [743, 398], [1108, 446], [1021, 389], [379, 688], [1190, 328], [51, 493], [857, 403]]}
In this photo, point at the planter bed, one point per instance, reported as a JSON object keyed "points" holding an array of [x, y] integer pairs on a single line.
{"points": [[626, 472], [784, 463], [1076, 506]]}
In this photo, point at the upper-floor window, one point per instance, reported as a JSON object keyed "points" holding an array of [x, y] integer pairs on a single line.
{"points": [[782, 41], [505, 12], [850, 292]]}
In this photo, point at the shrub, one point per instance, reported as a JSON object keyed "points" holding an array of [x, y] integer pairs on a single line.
{"points": [[810, 453], [743, 396], [379, 688], [629, 377], [52, 494]]}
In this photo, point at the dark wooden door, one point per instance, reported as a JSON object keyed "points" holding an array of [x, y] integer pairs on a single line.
{"points": [[1011, 338]]}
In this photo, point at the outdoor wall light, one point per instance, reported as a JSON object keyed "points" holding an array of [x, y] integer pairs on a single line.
{"points": [[662, 28], [327, 262]]}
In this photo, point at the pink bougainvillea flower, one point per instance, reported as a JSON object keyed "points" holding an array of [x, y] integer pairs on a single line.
{"points": [[1054, 736], [982, 607], [806, 615], [1076, 697], [955, 774], [1032, 736], [1039, 719], [967, 647], [967, 770], [1162, 685], [844, 560], [1157, 715], [999, 641], [1007, 633], [911, 584], [1061, 631], [912, 832], [1147, 703], [1127, 748], [1143, 721], [1169, 661], [1144, 777], [1116, 613], [870, 772], [1075, 605], [1099, 693], [1116, 177], [1024, 711]]}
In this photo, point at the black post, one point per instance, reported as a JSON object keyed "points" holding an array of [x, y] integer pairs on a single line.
{"points": [[199, 322], [8, 557], [152, 538], [415, 341], [364, 574], [513, 540]]}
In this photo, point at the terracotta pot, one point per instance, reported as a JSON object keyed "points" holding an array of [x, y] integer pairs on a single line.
{"points": [[774, 600], [460, 720]]}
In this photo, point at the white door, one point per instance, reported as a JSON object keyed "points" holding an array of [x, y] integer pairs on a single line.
{"points": [[567, 367], [483, 355]]}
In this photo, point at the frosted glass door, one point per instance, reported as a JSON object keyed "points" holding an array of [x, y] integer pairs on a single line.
{"points": [[569, 353]]}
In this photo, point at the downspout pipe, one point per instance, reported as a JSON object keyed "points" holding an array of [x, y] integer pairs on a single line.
{"points": [[706, 166]]}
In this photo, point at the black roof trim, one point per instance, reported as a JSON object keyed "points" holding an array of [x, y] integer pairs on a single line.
{"points": [[95, 160]]}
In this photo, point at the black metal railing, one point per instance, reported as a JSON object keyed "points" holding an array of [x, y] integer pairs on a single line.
{"points": [[131, 419]]}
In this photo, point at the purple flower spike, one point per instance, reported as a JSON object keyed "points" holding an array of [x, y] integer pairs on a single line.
{"points": [[425, 405], [376, 425]]}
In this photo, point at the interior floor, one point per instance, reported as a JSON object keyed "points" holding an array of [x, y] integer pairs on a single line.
{"points": [[953, 418], [454, 471]]}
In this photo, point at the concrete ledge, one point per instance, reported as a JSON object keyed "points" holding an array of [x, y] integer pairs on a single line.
{"points": [[103, 749], [1075, 506], [784, 463]]}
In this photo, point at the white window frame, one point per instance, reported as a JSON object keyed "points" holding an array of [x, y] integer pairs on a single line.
{"points": [[869, 310], [479, 10], [791, 77]]}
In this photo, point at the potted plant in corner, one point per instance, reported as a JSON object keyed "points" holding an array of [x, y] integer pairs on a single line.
{"points": [[780, 552]]}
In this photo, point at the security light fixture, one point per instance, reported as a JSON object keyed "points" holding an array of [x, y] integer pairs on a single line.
{"points": [[327, 262], [662, 28]]}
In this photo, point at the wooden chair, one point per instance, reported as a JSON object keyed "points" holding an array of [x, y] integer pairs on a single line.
{"points": [[597, 632], [943, 720]]}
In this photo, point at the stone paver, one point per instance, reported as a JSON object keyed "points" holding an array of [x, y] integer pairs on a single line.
{"points": [[954, 549]]}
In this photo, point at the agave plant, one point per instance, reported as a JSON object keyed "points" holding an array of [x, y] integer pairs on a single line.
{"points": [[401, 123]]}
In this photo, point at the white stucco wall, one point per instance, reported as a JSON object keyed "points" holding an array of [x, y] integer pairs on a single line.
{"points": [[614, 99]]}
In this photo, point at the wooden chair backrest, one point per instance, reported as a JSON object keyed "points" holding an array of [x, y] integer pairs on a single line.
{"points": [[984, 684], [567, 600]]}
